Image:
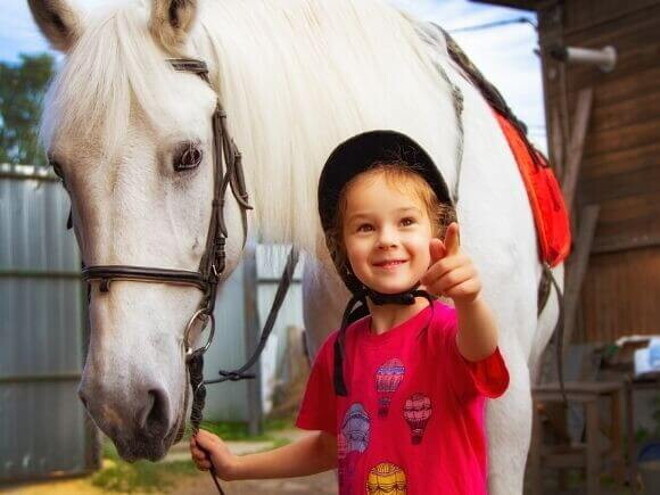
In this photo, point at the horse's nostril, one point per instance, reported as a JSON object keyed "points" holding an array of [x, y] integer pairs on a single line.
{"points": [[154, 419]]}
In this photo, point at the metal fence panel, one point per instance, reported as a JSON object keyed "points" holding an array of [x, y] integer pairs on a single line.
{"points": [[43, 429]]}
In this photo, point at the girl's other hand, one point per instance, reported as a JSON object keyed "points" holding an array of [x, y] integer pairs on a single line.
{"points": [[209, 450]]}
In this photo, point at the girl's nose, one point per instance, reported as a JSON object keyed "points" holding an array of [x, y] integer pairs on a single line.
{"points": [[387, 238]]}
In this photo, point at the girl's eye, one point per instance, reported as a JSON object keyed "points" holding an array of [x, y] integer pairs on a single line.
{"points": [[365, 227], [407, 221]]}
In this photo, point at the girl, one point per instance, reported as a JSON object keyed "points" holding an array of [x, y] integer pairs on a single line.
{"points": [[395, 399]]}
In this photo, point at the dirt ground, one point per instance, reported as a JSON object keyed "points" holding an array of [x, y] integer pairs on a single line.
{"points": [[201, 484], [321, 484], [196, 484]]}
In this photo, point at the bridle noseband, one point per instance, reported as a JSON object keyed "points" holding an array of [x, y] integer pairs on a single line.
{"points": [[212, 264]]}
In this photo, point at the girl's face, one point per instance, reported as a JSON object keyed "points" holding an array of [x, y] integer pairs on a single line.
{"points": [[386, 235]]}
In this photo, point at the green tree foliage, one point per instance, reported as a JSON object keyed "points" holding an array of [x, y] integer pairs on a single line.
{"points": [[22, 89]]}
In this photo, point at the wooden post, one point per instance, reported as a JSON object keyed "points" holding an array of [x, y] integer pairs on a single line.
{"points": [[252, 329], [577, 268], [557, 144], [593, 455], [535, 452], [579, 260], [576, 146]]}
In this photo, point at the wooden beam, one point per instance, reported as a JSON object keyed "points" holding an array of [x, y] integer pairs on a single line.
{"points": [[576, 145], [516, 4], [557, 143], [577, 268]]}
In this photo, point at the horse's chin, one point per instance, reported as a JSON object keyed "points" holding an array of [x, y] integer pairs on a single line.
{"points": [[150, 448]]}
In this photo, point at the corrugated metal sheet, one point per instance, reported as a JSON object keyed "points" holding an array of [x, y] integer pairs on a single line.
{"points": [[42, 423], [41, 307]]}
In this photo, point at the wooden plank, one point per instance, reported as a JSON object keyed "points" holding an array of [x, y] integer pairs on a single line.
{"points": [[625, 243], [576, 146], [643, 107], [620, 295], [618, 87], [631, 62], [577, 268], [642, 181], [625, 138], [603, 16], [629, 222], [516, 4], [624, 161]]}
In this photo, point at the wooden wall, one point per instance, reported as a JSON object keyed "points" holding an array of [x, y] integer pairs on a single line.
{"points": [[620, 169]]}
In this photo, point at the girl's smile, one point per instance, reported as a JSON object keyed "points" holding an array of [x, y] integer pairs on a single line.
{"points": [[386, 235]]}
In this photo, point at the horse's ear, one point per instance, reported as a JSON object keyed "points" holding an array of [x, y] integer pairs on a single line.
{"points": [[171, 20], [58, 21]]}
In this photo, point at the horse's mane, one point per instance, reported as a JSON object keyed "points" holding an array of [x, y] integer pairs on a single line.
{"points": [[296, 78]]}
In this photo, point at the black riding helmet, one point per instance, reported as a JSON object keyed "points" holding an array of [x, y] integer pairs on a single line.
{"points": [[352, 157]]}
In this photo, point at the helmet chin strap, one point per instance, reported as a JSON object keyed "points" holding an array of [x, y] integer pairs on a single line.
{"points": [[352, 313], [406, 298]]}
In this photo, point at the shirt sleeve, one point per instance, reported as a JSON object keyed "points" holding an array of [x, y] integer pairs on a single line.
{"points": [[319, 404], [488, 377]]}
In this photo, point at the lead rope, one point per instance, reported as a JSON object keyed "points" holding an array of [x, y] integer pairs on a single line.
{"points": [[196, 372], [195, 361]]}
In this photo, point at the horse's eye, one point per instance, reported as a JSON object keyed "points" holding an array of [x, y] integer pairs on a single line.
{"points": [[187, 157], [57, 168]]}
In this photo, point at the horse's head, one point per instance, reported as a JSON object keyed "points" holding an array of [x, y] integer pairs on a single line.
{"points": [[133, 141]]}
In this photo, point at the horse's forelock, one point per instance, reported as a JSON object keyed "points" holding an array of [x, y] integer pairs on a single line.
{"points": [[115, 69]]}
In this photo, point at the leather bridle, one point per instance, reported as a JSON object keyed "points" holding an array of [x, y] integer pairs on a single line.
{"points": [[212, 264]]}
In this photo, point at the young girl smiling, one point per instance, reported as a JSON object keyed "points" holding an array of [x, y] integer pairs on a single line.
{"points": [[396, 398]]}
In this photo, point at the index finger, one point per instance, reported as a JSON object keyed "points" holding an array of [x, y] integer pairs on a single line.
{"points": [[452, 239]]}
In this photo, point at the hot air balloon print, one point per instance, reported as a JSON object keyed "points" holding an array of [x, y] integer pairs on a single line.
{"points": [[355, 428], [388, 379], [417, 411], [386, 479]]}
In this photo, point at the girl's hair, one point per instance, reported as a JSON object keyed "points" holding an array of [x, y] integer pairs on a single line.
{"points": [[401, 176]]}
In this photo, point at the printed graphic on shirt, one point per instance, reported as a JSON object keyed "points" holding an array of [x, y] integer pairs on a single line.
{"points": [[386, 479], [416, 411], [355, 428], [388, 379]]}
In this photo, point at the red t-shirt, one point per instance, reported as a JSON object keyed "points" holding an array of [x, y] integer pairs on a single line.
{"points": [[413, 420]]}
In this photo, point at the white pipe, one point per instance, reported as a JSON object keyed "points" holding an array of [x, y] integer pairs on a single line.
{"points": [[604, 59]]}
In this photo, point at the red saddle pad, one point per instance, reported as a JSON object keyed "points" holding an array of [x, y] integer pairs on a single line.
{"points": [[550, 214]]}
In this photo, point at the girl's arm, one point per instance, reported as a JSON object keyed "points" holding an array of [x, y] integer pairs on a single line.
{"points": [[477, 330], [452, 274], [314, 453]]}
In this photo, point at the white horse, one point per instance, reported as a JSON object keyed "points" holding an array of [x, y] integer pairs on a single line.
{"points": [[296, 78]]}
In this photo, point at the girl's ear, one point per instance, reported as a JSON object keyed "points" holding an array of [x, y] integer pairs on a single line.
{"points": [[58, 21], [171, 21]]}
